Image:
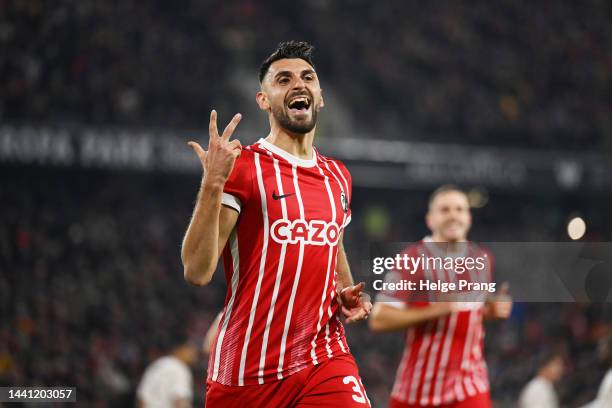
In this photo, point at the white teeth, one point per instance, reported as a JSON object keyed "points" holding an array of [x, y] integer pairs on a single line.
{"points": [[299, 99]]}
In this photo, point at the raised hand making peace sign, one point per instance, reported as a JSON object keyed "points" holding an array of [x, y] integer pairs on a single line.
{"points": [[218, 161]]}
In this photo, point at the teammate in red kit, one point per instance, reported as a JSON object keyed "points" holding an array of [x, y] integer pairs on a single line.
{"points": [[277, 211], [443, 362]]}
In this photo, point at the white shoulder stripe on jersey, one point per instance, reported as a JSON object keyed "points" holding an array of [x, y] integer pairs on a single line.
{"points": [[262, 265], [231, 201]]}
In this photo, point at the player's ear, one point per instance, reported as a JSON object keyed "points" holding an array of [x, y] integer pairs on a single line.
{"points": [[262, 100], [428, 221], [322, 100]]}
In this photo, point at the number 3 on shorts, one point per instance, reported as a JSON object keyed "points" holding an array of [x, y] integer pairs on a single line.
{"points": [[359, 395]]}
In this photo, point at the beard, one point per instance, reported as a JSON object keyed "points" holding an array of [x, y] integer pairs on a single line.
{"points": [[292, 125]]}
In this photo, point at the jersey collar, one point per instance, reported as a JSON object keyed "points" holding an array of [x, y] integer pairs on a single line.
{"points": [[288, 156], [438, 252]]}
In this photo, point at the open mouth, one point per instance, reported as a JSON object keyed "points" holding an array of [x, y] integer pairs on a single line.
{"points": [[299, 104], [454, 226]]}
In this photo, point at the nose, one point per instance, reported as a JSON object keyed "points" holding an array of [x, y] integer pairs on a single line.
{"points": [[453, 216], [298, 83]]}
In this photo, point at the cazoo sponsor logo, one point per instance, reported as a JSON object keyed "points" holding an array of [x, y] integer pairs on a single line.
{"points": [[315, 232]]}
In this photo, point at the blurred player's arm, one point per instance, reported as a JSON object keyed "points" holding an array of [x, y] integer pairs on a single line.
{"points": [[209, 339], [354, 303], [391, 318], [211, 222]]}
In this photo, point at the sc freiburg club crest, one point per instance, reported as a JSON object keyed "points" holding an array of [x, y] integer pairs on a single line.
{"points": [[344, 202]]}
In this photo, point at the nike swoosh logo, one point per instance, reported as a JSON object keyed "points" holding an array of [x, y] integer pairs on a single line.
{"points": [[278, 197]]}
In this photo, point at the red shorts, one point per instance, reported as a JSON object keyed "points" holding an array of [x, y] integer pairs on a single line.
{"points": [[477, 401], [333, 383]]}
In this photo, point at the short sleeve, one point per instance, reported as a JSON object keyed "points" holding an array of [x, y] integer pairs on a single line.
{"points": [[238, 188], [348, 181], [393, 298]]}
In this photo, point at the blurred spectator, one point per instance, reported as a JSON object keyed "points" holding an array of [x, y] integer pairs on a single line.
{"points": [[604, 395], [540, 391], [167, 382]]}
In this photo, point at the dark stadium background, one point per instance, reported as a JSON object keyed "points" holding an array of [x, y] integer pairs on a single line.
{"points": [[510, 99]]}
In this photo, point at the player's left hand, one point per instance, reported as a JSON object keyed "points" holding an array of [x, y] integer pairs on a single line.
{"points": [[355, 304]]}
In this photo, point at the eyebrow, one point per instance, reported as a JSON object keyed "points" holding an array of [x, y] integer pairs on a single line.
{"points": [[289, 73]]}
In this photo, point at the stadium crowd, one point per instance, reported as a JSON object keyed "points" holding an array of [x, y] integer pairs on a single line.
{"points": [[91, 287], [511, 73]]}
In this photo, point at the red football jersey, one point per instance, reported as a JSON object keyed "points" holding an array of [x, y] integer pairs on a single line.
{"points": [[443, 360], [281, 311]]}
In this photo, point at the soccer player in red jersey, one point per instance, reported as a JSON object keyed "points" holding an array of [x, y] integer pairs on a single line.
{"points": [[276, 211], [443, 362]]}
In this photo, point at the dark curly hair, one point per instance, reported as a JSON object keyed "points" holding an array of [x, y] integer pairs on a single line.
{"points": [[287, 49]]}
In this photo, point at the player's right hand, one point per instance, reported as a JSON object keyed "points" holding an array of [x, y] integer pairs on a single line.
{"points": [[355, 304], [218, 161]]}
